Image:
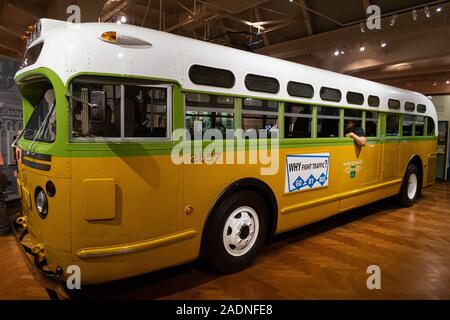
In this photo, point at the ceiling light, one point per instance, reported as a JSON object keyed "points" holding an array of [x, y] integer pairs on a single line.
{"points": [[336, 52], [439, 9], [383, 44], [123, 19], [427, 12], [119, 22], [447, 82], [393, 20], [342, 52], [362, 48], [414, 14], [435, 84]]}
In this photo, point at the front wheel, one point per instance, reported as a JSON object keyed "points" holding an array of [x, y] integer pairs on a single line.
{"points": [[236, 232], [411, 185]]}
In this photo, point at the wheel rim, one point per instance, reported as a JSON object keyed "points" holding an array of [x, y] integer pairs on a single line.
{"points": [[412, 186], [241, 231]]}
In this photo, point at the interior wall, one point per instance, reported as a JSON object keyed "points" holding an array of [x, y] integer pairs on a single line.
{"points": [[442, 104]]}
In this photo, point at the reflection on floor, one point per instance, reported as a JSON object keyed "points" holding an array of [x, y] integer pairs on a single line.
{"points": [[326, 260]]}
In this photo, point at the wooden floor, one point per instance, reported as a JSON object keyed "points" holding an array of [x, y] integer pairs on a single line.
{"points": [[327, 260]]}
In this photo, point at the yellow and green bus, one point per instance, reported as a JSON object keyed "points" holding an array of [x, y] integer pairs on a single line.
{"points": [[97, 178]]}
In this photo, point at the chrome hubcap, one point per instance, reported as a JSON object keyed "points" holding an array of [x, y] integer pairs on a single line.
{"points": [[241, 231], [412, 186]]}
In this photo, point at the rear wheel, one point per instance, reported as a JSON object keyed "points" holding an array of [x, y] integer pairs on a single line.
{"points": [[236, 232], [411, 185]]}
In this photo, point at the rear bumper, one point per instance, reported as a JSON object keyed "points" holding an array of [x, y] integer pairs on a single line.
{"points": [[35, 262]]}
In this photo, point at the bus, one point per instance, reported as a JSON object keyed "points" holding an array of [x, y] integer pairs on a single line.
{"points": [[98, 183]]}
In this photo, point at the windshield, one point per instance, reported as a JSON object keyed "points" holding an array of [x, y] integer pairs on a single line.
{"points": [[42, 123]]}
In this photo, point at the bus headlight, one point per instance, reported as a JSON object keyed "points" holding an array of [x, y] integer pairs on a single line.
{"points": [[41, 203]]}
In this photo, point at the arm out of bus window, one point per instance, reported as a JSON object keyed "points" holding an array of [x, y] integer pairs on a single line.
{"points": [[359, 136]]}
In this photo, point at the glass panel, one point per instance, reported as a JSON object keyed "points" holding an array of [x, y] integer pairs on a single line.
{"points": [[209, 76], [213, 112], [301, 90], [298, 121], [328, 121], [421, 108], [408, 125], [394, 104], [409, 106], [42, 124], [145, 112], [431, 127], [353, 122], [330, 94], [258, 83], [374, 101], [420, 126], [355, 98], [101, 121], [392, 125], [259, 114], [371, 124]]}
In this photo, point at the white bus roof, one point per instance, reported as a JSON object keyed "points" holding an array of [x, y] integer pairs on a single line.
{"points": [[70, 49]]}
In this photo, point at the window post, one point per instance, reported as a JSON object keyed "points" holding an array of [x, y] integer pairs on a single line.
{"points": [[281, 120]]}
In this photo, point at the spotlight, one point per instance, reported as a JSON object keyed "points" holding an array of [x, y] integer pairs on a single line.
{"points": [[119, 22], [336, 52], [383, 44], [362, 48], [447, 82], [342, 52], [414, 15], [439, 9], [123, 19], [435, 84], [427, 12], [393, 20]]}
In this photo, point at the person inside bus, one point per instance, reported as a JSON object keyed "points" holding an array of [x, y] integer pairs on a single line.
{"points": [[356, 133]]}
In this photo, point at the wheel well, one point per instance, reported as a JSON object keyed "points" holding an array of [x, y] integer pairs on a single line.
{"points": [[257, 186], [419, 164]]}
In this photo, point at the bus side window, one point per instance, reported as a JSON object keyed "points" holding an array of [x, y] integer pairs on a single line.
{"points": [[145, 112], [101, 121], [392, 125], [353, 120], [408, 125], [430, 127], [371, 124], [209, 112], [259, 115], [328, 121], [298, 121], [419, 126]]}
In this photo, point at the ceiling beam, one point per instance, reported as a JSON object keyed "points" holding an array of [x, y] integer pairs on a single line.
{"points": [[306, 18], [121, 6], [352, 35]]}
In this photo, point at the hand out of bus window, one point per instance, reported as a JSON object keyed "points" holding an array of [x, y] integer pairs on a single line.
{"points": [[356, 133]]}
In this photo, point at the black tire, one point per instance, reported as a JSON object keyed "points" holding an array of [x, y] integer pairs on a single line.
{"points": [[213, 246], [406, 199]]}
